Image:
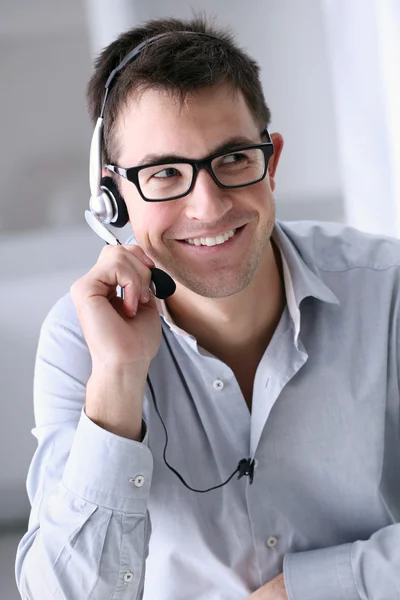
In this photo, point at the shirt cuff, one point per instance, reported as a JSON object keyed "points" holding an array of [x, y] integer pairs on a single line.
{"points": [[109, 470], [326, 573]]}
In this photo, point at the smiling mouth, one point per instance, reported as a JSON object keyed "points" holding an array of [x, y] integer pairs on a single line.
{"points": [[212, 241]]}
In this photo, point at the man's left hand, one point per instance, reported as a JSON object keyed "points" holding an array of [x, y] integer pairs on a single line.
{"points": [[273, 590]]}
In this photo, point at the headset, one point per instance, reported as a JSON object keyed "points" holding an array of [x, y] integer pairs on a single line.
{"points": [[107, 206]]}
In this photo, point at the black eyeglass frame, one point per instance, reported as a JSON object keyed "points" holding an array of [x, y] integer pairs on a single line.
{"points": [[132, 173]]}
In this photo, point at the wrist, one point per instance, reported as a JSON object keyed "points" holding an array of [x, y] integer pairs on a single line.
{"points": [[114, 399]]}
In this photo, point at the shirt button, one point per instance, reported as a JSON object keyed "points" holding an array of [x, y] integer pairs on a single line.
{"points": [[138, 480], [272, 541], [128, 577], [218, 384]]}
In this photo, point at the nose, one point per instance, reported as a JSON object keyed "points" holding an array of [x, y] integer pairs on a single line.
{"points": [[207, 201]]}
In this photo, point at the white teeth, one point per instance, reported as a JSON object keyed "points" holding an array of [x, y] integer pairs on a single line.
{"points": [[209, 241]]}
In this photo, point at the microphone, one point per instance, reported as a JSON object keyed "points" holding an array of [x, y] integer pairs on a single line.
{"points": [[163, 286]]}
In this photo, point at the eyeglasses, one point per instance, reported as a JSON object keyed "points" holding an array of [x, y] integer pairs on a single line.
{"points": [[162, 181]]}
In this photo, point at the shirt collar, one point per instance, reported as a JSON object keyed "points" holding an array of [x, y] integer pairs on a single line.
{"points": [[299, 278]]}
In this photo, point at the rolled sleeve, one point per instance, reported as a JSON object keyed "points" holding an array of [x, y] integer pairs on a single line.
{"points": [[316, 574], [109, 470]]}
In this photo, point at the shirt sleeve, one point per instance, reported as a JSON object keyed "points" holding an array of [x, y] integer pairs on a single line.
{"points": [[89, 526], [363, 570]]}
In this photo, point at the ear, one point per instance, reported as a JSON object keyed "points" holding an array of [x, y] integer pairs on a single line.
{"points": [[277, 140]]}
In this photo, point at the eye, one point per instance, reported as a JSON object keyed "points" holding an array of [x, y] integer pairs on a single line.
{"points": [[166, 173], [234, 158]]}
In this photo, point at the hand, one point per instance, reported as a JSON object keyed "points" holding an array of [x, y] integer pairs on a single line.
{"points": [[273, 590], [123, 336], [113, 334]]}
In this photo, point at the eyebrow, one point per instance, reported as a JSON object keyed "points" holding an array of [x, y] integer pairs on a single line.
{"points": [[230, 144]]}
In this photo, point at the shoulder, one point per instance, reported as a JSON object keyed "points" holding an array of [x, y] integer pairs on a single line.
{"points": [[338, 247]]}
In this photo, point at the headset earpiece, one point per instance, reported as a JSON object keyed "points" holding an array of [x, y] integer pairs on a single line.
{"points": [[108, 204], [110, 189]]}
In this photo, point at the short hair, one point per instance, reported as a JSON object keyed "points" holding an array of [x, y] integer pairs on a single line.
{"points": [[177, 63]]}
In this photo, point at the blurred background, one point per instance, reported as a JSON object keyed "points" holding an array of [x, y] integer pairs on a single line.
{"points": [[330, 71]]}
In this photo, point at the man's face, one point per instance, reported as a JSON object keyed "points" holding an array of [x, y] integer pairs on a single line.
{"points": [[158, 124]]}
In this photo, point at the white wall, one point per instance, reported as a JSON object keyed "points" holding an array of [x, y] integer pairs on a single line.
{"points": [[43, 166], [364, 47], [44, 67]]}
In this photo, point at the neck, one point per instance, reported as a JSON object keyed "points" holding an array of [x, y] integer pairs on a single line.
{"points": [[242, 323]]}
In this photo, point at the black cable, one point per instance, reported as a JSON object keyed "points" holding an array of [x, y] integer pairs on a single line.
{"points": [[245, 465]]}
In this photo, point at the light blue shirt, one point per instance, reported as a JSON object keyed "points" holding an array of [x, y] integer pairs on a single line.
{"points": [[324, 431]]}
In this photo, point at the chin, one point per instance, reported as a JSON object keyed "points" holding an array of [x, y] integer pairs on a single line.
{"points": [[222, 285]]}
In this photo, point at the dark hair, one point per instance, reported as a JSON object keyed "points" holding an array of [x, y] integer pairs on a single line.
{"points": [[177, 63]]}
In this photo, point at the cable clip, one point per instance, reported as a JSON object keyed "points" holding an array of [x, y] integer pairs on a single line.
{"points": [[246, 467]]}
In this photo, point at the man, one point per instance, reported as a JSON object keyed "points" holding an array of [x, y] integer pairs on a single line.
{"points": [[279, 344]]}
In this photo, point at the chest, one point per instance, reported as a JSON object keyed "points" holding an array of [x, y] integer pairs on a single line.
{"points": [[245, 380], [244, 371]]}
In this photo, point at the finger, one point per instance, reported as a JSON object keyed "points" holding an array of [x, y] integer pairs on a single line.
{"points": [[130, 249], [137, 251], [104, 277], [138, 258]]}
